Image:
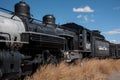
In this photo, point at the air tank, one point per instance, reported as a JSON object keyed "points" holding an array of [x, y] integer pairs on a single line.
{"points": [[49, 19], [22, 9]]}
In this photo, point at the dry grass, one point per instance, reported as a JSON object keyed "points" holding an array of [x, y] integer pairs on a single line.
{"points": [[92, 69]]}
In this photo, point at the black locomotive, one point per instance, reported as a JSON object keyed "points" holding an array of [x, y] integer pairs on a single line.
{"points": [[27, 43]]}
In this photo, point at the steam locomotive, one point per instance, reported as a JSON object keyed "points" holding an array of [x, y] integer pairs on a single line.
{"points": [[26, 43]]}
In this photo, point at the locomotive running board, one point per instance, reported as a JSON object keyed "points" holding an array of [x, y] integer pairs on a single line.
{"points": [[14, 41]]}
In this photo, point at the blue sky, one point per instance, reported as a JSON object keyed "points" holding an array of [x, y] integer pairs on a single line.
{"points": [[103, 15]]}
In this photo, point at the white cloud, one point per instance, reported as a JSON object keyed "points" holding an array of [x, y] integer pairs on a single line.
{"points": [[114, 41], [85, 18], [79, 16], [116, 8], [92, 20], [92, 15], [84, 9], [112, 32]]}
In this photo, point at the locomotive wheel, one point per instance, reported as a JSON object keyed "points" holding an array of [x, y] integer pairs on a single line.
{"points": [[49, 58]]}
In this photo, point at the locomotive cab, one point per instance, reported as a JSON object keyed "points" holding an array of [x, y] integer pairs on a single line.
{"points": [[82, 36], [81, 41]]}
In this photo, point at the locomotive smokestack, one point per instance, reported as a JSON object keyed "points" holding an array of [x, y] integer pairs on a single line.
{"points": [[49, 19], [22, 9]]}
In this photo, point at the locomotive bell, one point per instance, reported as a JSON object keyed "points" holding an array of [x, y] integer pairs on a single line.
{"points": [[22, 9], [49, 19]]}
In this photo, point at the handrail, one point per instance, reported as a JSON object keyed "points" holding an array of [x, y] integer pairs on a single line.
{"points": [[19, 15], [6, 10]]}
